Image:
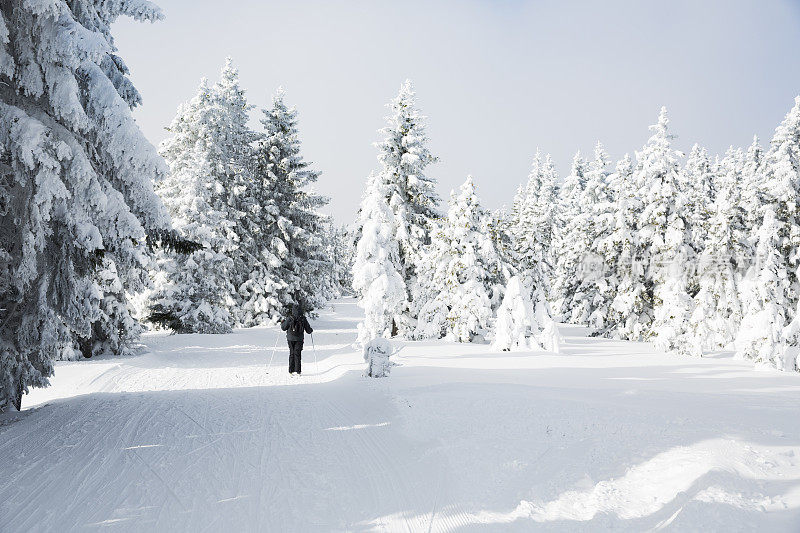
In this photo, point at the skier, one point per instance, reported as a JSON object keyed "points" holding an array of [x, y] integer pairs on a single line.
{"points": [[294, 326]]}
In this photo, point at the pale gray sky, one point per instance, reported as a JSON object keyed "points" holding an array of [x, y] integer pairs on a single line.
{"points": [[496, 79]]}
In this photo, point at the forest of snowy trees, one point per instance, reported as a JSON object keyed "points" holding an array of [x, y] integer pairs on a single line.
{"points": [[246, 197], [691, 252], [102, 235]]}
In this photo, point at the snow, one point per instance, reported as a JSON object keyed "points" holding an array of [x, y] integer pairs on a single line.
{"points": [[200, 434], [376, 355]]}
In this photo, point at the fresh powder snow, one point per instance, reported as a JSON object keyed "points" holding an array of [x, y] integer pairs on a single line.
{"points": [[199, 433]]}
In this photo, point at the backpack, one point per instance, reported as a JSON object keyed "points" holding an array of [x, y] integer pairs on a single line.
{"points": [[296, 327]]}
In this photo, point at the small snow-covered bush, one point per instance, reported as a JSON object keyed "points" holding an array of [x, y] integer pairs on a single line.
{"points": [[376, 355], [522, 323], [514, 318]]}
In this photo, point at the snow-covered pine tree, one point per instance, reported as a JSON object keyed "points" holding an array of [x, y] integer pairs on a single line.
{"points": [[630, 311], [570, 241], [233, 158], [292, 243], [435, 279], [76, 185], [666, 238], [761, 337], [117, 331], [591, 225], [341, 253], [545, 208], [404, 157], [698, 181], [461, 271], [523, 319], [376, 268], [781, 182], [194, 292], [782, 188], [499, 228], [717, 312], [752, 185], [532, 221], [752, 197]]}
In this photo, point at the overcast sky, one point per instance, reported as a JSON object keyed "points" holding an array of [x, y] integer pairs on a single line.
{"points": [[497, 79]]}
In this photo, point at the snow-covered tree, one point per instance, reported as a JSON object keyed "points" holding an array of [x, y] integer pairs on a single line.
{"points": [[194, 292], [588, 302], [231, 155], [570, 242], [778, 248], [523, 320], [76, 186], [626, 287], [287, 235], [698, 178], [602, 267], [500, 230], [116, 332], [761, 337], [404, 158], [376, 268], [531, 224], [666, 237], [717, 312], [461, 272], [752, 185], [341, 251], [752, 198], [782, 188]]}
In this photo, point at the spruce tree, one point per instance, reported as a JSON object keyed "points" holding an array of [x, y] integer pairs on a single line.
{"points": [[591, 226], [761, 337], [666, 237], [625, 286], [570, 238], [776, 294], [231, 153], [698, 178], [404, 158], [288, 234], [76, 187], [781, 188], [462, 271], [611, 241], [532, 222], [752, 198], [194, 292], [117, 331], [341, 252], [717, 312], [377, 277], [752, 185]]}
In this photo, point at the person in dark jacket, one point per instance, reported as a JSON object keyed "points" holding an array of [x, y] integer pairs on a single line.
{"points": [[294, 326]]}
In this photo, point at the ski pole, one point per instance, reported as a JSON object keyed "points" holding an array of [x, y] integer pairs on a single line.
{"points": [[316, 364], [274, 347]]}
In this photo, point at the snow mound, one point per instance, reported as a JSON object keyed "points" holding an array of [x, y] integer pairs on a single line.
{"points": [[376, 355]]}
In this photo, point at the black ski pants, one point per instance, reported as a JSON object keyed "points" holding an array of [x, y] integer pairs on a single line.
{"points": [[295, 349]]}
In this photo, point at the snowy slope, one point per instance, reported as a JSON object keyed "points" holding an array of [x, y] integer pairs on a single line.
{"points": [[196, 435]]}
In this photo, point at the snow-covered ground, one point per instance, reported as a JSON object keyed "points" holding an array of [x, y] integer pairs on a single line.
{"points": [[198, 434]]}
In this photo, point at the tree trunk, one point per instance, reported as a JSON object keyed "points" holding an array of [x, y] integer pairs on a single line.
{"points": [[17, 401], [85, 346]]}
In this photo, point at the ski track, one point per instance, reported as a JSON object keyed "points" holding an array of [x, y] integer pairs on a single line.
{"points": [[199, 434]]}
